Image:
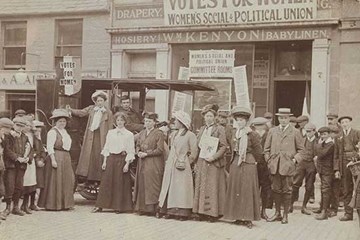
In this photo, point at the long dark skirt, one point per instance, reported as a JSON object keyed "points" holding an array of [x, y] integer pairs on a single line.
{"points": [[140, 205], [115, 186], [58, 192], [242, 196], [94, 173]]}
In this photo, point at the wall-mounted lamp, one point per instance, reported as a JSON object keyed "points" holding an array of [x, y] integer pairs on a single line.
{"points": [[21, 75]]}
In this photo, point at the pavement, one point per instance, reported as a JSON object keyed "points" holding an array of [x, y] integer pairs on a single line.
{"points": [[80, 224]]}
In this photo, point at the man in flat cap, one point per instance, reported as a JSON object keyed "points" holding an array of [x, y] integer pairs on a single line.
{"points": [[5, 127], [259, 126], [282, 145], [346, 150], [306, 168], [223, 120], [16, 151], [293, 121], [324, 153]]}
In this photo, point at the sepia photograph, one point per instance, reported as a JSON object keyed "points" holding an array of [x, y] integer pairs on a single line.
{"points": [[180, 119]]}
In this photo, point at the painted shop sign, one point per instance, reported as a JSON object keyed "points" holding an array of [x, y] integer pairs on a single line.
{"points": [[127, 12], [9, 80], [220, 36], [211, 63], [213, 12]]}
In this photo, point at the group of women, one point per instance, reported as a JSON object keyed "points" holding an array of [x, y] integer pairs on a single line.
{"points": [[187, 180]]}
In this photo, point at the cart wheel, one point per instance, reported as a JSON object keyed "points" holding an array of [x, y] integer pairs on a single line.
{"points": [[89, 192]]}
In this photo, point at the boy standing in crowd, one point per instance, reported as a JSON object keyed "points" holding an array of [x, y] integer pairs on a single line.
{"points": [[16, 149], [324, 153]]}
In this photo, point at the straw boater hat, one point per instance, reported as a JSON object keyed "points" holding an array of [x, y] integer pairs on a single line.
{"points": [[99, 93], [344, 117], [60, 113], [183, 117], [19, 121], [241, 111], [284, 112], [210, 108], [6, 123]]}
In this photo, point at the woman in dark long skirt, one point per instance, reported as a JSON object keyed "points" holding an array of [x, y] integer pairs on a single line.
{"points": [[58, 192], [118, 152], [150, 167], [242, 203]]}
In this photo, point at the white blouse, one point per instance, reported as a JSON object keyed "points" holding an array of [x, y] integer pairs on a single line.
{"points": [[51, 139], [118, 140]]}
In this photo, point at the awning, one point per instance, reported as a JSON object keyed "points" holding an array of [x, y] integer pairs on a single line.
{"points": [[141, 84]]}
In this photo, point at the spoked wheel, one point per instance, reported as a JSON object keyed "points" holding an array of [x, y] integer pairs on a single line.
{"points": [[89, 192]]}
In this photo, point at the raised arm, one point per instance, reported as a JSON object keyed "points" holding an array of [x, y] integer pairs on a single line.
{"points": [[81, 112]]}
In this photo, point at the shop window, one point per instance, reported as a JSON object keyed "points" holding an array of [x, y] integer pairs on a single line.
{"points": [[14, 45], [69, 34], [293, 59]]}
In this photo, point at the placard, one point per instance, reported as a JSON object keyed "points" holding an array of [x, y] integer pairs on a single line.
{"points": [[68, 73], [211, 63], [241, 87], [208, 146], [179, 102]]}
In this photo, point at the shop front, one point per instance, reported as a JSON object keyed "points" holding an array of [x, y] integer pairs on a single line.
{"points": [[286, 61]]}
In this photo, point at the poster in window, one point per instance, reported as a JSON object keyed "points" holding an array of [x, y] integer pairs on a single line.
{"points": [[220, 96], [261, 74]]}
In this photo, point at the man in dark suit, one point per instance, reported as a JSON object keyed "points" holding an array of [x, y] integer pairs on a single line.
{"points": [[282, 145], [324, 153], [259, 125], [16, 149], [346, 151]]}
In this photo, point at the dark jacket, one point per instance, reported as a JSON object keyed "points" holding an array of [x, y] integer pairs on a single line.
{"points": [[325, 153], [14, 147], [339, 155], [254, 147], [308, 153]]}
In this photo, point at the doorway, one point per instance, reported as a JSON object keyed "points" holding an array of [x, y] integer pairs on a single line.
{"points": [[290, 94]]}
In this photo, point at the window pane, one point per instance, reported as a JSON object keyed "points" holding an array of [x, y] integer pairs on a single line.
{"points": [[13, 56], [71, 51], [69, 32], [15, 33]]}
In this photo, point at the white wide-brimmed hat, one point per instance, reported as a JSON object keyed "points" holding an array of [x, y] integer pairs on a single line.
{"points": [[183, 117], [60, 113], [99, 93]]}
